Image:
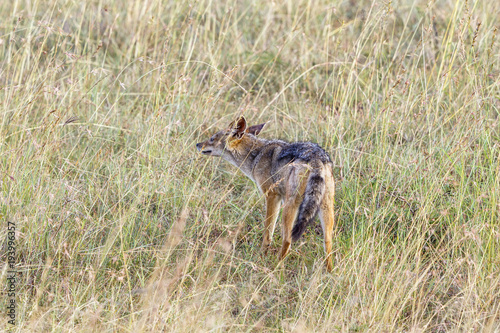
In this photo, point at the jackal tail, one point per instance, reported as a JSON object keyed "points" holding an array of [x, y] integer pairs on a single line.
{"points": [[309, 207]]}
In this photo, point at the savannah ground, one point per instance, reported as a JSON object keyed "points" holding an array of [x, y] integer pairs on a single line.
{"points": [[122, 226]]}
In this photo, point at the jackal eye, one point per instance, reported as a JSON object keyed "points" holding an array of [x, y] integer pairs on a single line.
{"points": [[211, 140]]}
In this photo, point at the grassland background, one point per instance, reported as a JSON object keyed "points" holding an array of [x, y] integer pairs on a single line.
{"points": [[122, 226]]}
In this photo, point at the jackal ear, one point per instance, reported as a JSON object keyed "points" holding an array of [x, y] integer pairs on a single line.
{"points": [[238, 127], [241, 125], [255, 129], [237, 124]]}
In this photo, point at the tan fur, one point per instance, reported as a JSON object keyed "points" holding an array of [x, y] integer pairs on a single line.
{"points": [[282, 180]]}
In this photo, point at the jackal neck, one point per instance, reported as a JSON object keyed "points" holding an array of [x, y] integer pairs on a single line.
{"points": [[242, 152]]}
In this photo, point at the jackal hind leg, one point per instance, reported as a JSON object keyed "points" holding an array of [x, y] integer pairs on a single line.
{"points": [[290, 211], [326, 216], [273, 202]]}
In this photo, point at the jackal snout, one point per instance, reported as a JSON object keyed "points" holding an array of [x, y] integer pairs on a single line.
{"points": [[204, 148]]}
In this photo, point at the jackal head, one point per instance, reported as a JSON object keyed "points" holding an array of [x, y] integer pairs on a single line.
{"points": [[223, 140]]}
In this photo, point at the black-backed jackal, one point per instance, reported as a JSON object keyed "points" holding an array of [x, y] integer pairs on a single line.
{"points": [[298, 174]]}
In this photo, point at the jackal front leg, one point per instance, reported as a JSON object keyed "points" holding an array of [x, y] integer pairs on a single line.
{"points": [[272, 210]]}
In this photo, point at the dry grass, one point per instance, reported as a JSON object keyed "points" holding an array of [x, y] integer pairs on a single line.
{"points": [[122, 226]]}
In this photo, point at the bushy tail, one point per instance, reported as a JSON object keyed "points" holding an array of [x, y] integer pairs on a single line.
{"points": [[308, 209]]}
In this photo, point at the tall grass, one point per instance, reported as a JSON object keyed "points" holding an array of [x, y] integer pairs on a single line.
{"points": [[122, 226]]}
